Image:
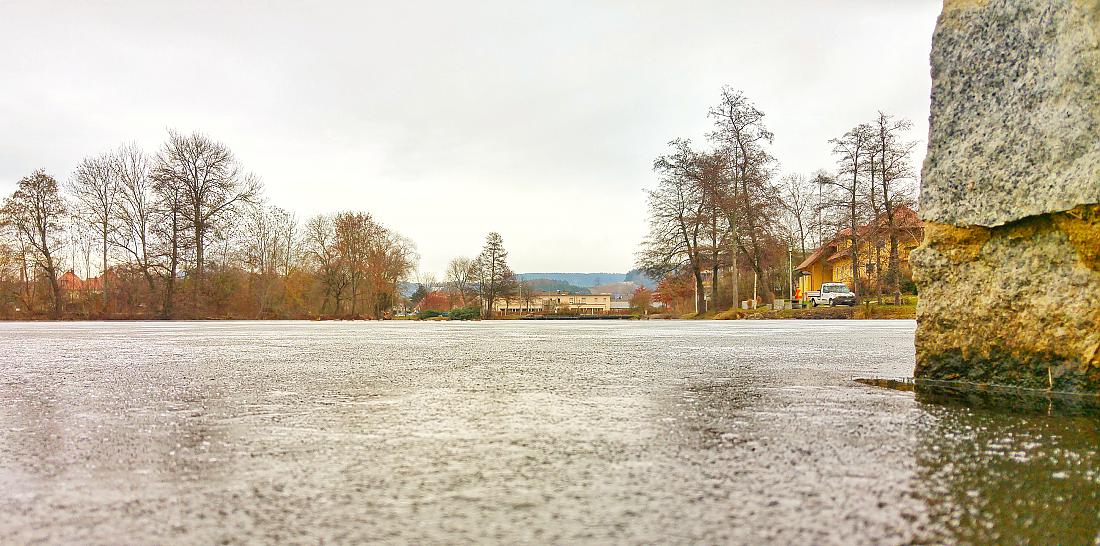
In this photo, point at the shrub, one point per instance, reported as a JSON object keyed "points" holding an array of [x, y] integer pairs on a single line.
{"points": [[908, 286], [465, 313]]}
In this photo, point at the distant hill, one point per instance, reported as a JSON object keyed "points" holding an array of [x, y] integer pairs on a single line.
{"points": [[590, 280], [406, 288], [637, 277], [551, 285], [618, 290]]}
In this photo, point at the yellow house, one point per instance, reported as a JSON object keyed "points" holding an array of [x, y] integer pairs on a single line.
{"points": [[833, 261], [585, 304]]}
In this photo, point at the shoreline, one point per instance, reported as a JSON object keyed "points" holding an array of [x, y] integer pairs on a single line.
{"points": [[865, 311], [771, 315]]}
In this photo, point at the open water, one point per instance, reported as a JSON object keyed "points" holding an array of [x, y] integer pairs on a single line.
{"points": [[501, 432]]}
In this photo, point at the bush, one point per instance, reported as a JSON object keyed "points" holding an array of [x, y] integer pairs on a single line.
{"points": [[465, 313], [428, 314], [908, 287]]}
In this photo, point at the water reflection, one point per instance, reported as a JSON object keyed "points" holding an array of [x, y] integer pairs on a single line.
{"points": [[994, 468]]}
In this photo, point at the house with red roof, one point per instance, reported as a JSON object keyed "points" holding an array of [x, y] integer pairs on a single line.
{"points": [[833, 261]]}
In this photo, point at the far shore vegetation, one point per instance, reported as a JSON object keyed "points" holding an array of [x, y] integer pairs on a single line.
{"points": [[186, 232]]}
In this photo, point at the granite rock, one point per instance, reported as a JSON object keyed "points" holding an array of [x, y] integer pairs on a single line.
{"points": [[1017, 304], [1009, 272], [1015, 114]]}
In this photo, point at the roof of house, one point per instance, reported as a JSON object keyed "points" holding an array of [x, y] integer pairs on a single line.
{"points": [[94, 283], [567, 294], [904, 217], [815, 256], [69, 281]]}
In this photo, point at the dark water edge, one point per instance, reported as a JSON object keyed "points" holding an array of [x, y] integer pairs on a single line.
{"points": [[1007, 398], [1006, 464]]}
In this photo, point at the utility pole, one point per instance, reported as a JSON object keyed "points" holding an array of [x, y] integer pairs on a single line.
{"points": [[754, 294], [696, 293], [820, 229], [790, 272]]}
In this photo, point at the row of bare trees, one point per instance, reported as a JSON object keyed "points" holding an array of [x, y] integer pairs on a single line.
{"points": [[358, 263], [725, 207], [185, 232], [716, 207], [874, 187]]}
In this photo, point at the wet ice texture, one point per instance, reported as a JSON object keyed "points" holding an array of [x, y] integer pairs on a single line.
{"points": [[660, 432]]}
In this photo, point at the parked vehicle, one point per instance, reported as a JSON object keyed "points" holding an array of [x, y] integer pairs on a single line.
{"points": [[833, 294]]}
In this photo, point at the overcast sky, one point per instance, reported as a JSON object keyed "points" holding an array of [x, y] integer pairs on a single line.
{"points": [[447, 120]]}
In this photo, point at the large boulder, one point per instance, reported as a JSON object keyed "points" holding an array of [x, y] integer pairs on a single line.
{"points": [[1009, 270]]}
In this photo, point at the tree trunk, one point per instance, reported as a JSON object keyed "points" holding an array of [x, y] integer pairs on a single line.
{"points": [[103, 273], [354, 294], [173, 268], [199, 265], [151, 282], [733, 266], [169, 295], [894, 271], [714, 284], [854, 252], [24, 273], [55, 286], [700, 293], [51, 271], [878, 271]]}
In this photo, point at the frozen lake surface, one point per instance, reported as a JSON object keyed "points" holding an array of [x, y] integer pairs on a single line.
{"points": [[635, 432]]}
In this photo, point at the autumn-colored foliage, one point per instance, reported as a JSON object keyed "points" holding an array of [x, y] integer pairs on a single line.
{"points": [[436, 300]]}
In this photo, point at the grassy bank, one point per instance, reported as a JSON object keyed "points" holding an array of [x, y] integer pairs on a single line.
{"points": [[868, 310]]}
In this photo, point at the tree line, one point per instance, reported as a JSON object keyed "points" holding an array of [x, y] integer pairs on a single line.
{"points": [[472, 285], [726, 206], [186, 232]]}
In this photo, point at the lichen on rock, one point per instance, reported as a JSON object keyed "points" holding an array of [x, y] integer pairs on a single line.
{"points": [[1009, 272]]}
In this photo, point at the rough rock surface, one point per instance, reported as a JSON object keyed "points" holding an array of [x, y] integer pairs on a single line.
{"points": [[1010, 267], [1016, 304], [1015, 110]]}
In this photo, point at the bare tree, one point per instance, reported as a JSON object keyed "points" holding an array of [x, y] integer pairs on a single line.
{"points": [[211, 183], [428, 281], [677, 219], [713, 182], [370, 260], [170, 231], [526, 293], [853, 151], [81, 241], [895, 185], [135, 211], [798, 196], [95, 188], [18, 251], [460, 272], [11, 275], [320, 245], [394, 259], [355, 232], [741, 135], [268, 239], [35, 211], [184, 215]]}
